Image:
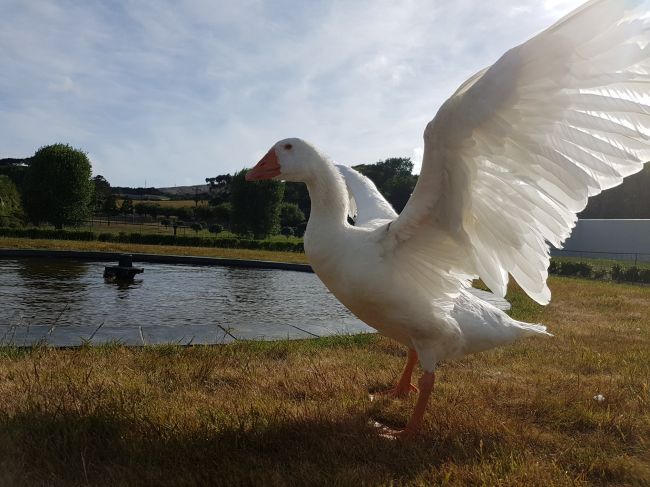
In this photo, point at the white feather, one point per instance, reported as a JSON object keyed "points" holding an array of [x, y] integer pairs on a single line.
{"points": [[514, 154]]}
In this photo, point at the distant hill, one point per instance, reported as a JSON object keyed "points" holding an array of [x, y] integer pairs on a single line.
{"points": [[176, 192], [186, 190]]}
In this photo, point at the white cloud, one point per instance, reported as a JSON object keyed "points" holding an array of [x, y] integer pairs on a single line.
{"points": [[173, 92]]}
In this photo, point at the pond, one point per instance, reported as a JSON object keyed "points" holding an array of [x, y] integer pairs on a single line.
{"points": [[67, 302]]}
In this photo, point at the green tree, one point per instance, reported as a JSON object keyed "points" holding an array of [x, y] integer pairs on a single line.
{"points": [[110, 206], [255, 206], [102, 192], [219, 189], [290, 215], [197, 227], [57, 186], [393, 179], [10, 208], [297, 193], [127, 206]]}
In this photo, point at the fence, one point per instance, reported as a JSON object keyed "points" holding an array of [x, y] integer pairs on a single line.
{"points": [[635, 257]]}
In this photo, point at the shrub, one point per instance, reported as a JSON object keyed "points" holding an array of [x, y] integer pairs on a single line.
{"points": [[644, 275], [631, 274], [581, 269], [287, 231], [600, 273], [215, 228]]}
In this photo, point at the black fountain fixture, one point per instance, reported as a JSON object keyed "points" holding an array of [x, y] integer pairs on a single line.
{"points": [[123, 271]]}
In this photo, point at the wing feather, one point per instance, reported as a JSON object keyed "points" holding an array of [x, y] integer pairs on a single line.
{"points": [[370, 207], [517, 151]]}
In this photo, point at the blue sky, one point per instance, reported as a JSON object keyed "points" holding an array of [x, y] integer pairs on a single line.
{"points": [[172, 92]]}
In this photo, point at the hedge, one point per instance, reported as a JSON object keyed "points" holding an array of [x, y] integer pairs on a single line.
{"points": [[153, 239], [616, 272]]}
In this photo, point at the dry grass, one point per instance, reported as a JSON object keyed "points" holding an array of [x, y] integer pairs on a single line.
{"points": [[296, 413], [25, 243]]}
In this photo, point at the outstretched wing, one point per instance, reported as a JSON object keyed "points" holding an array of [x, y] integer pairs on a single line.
{"points": [[367, 206], [515, 153]]}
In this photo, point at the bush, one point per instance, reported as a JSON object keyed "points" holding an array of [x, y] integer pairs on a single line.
{"points": [[215, 228], [644, 275], [58, 187], [631, 274], [568, 268], [287, 231], [600, 273]]}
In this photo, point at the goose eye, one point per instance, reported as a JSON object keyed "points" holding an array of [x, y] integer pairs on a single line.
{"points": [[288, 146]]}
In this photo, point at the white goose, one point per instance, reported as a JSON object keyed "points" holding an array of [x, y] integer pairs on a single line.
{"points": [[508, 161]]}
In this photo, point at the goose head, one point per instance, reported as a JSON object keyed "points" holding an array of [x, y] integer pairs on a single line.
{"points": [[288, 160]]}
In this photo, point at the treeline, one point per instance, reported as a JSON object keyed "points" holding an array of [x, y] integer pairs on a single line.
{"points": [[262, 208], [55, 186]]}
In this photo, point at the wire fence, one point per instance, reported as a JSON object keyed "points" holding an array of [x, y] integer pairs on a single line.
{"points": [[634, 257]]}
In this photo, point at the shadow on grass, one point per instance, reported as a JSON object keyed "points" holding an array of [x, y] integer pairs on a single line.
{"points": [[103, 449]]}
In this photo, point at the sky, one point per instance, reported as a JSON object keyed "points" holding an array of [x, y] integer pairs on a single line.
{"points": [[169, 92]]}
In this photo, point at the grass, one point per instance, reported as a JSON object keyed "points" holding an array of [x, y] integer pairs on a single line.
{"points": [[25, 243], [166, 203], [296, 413]]}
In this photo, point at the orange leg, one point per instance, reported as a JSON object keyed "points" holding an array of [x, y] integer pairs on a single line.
{"points": [[404, 386], [426, 386]]}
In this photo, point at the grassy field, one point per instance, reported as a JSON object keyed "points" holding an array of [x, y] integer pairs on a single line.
{"points": [[26, 243], [147, 228], [297, 413], [166, 203]]}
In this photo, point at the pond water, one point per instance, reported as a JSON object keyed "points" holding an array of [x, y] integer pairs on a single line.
{"points": [[67, 302]]}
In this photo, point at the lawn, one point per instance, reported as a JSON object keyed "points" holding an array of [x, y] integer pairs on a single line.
{"points": [[26, 243], [297, 413], [166, 203]]}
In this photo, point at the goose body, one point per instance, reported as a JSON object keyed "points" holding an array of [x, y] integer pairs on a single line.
{"points": [[509, 160]]}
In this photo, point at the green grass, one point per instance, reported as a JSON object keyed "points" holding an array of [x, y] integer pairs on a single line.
{"points": [[297, 413], [102, 226], [26, 243]]}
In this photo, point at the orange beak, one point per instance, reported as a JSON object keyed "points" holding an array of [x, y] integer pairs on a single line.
{"points": [[267, 168]]}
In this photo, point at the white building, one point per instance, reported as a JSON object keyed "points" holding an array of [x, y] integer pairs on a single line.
{"points": [[605, 239]]}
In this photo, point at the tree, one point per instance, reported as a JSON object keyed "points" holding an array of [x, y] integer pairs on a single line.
{"points": [[127, 206], [102, 192], [215, 228], [393, 179], [10, 208], [57, 186], [255, 205], [197, 227], [219, 189], [290, 215], [297, 193], [287, 231]]}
